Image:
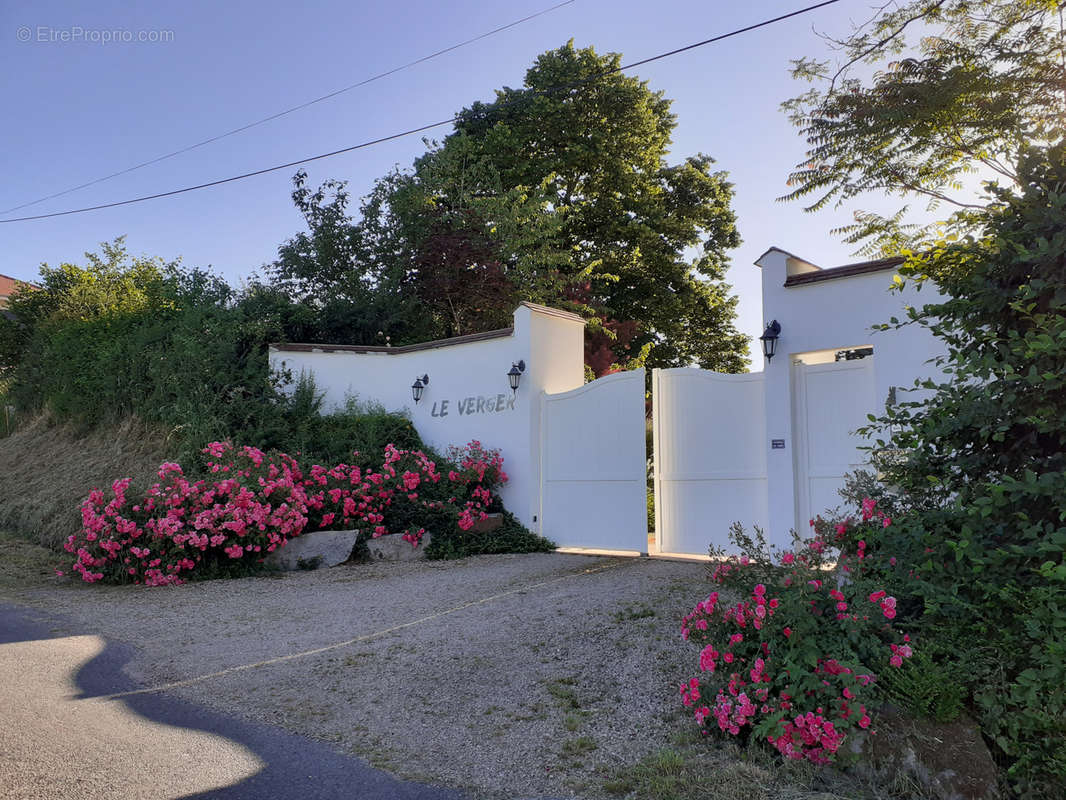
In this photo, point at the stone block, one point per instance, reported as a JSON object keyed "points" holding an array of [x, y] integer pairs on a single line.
{"points": [[312, 550], [394, 548], [949, 760], [490, 523]]}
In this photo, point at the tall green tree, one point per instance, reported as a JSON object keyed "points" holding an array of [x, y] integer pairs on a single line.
{"points": [[466, 247], [442, 252], [557, 192], [346, 280], [925, 100], [595, 141], [981, 463]]}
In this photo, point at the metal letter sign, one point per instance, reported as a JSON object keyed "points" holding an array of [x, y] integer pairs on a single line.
{"points": [[486, 404]]}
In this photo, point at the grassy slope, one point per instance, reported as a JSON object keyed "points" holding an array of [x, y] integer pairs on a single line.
{"points": [[24, 564], [47, 471]]}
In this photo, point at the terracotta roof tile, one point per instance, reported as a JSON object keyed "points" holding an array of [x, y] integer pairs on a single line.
{"points": [[8, 284]]}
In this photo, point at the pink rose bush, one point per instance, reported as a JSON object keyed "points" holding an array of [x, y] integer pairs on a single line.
{"points": [[346, 496], [791, 643], [253, 502], [251, 507], [479, 472]]}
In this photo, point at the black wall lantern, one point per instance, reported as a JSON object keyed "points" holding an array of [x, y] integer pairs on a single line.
{"points": [[418, 386], [769, 339], [515, 375]]}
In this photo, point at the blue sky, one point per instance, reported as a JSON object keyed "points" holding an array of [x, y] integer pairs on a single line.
{"points": [[77, 110]]}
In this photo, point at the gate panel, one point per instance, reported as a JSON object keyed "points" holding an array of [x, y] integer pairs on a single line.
{"points": [[832, 401], [593, 465], [710, 457]]}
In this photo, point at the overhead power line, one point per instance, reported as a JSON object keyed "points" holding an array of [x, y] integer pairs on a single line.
{"points": [[420, 128], [299, 107]]}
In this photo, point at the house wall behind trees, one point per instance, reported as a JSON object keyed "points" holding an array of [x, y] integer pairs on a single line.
{"points": [[468, 396]]}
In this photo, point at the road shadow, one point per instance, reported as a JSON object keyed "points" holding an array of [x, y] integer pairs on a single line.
{"points": [[294, 767]]}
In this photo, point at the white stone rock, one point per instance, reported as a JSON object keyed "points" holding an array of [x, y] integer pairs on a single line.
{"points": [[394, 548], [312, 550]]}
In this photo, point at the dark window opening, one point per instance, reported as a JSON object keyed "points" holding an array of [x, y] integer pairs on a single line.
{"points": [[854, 354]]}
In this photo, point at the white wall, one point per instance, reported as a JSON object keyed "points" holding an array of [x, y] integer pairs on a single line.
{"points": [[466, 375], [831, 314], [558, 344], [713, 419]]}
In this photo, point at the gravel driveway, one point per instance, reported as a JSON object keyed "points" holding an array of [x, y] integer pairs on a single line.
{"points": [[505, 676]]}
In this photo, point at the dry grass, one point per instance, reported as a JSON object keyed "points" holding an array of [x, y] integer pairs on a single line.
{"points": [[47, 470], [691, 775], [696, 768], [24, 564]]}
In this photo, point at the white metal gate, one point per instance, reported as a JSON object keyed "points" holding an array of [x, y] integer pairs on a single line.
{"points": [[593, 465], [710, 456], [830, 402]]}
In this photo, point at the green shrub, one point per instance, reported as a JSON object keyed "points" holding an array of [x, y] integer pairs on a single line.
{"points": [[176, 348], [511, 537], [334, 438], [924, 687], [981, 464], [181, 351], [793, 645]]}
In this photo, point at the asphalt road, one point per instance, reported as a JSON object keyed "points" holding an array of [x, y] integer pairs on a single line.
{"points": [[63, 737]]}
